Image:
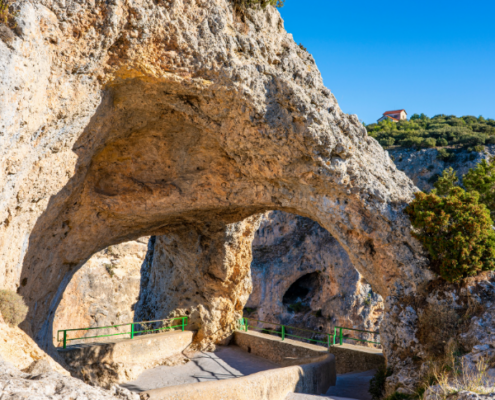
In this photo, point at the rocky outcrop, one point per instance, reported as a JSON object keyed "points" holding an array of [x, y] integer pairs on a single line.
{"points": [[204, 273], [425, 166], [127, 119], [303, 277], [134, 126], [103, 292], [427, 324], [17, 348], [40, 382]]}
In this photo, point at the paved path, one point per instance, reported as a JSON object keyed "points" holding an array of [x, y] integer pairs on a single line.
{"points": [[350, 386], [354, 385], [225, 363]]}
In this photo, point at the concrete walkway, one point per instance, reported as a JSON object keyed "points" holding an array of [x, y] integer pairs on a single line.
{"points": [[350, 386], [354, 385], [225, 363]]}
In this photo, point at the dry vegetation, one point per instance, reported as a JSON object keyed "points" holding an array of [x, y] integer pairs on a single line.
{"points": [[7, 14], [12, 307], [453, 373]]}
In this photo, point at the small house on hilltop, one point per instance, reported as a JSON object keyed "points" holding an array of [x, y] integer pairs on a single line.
{"points": [[394, 115]]}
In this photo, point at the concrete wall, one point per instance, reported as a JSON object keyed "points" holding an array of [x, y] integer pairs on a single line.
{"points": [[314, 375], [352, 358], [123, 360]]}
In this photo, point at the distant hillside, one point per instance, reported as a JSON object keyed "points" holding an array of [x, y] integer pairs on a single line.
{"points": [[442, 130]]}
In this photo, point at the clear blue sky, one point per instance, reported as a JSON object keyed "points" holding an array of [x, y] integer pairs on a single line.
{"points": [[436, 56]]}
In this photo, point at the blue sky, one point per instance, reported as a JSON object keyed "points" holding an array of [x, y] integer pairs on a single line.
{"points": [[436, 56]]}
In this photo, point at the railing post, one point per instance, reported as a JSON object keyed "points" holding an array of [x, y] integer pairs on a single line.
{"points": [[65, 339], [341, 337], [334, 335], [132, 330], [183, 324], [246, 323], [283, 332]]}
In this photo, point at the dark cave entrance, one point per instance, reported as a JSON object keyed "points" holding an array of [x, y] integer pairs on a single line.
{"points": [[298, 297]]}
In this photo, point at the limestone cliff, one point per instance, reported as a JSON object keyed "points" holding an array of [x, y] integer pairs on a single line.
{"points": [[203, 273], [303, 277], [125, 119], [424, 166], [104, 291]]}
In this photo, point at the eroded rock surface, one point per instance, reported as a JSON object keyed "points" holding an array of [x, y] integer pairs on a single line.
{"points": [[202, 272], [302, 276], [424, 166], [103, 292], [427, 324], [43, 383], [126, 119]]}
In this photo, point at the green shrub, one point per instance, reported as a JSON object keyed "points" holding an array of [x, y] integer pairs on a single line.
{"points": [[12, 307], [110, 269], [446, 130], [446, 182], [377, 383], [482, 180], [430, 142], [244, 4], [387, 142], [398, 396], [457, 232], [442, 142], [445, 155]]}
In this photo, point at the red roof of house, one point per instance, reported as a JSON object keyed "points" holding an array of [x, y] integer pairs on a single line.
{"points": [[393, 112]]}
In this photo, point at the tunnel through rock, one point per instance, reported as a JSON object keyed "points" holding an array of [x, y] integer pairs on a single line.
{"points": [[183, 129], [303, 277]]}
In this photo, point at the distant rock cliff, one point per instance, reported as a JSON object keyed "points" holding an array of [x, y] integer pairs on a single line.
{"points": [[303, 277]]}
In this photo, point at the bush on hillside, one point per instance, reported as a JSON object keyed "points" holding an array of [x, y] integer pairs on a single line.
{"points": [[482, 180], [446, 182], [12, 307], [244, 4], [441, 130], [457, 232]]}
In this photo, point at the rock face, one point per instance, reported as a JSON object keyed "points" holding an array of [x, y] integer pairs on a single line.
{"points": [[427, 323], [303, 277], [21, 351], [135, 126], [42, 383], [424, 166], [126, 119], [103, 292], [202, 272]]}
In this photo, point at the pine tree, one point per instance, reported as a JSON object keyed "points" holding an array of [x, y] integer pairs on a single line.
{"points": [[446, 182], [482, 180], [457, 232]]}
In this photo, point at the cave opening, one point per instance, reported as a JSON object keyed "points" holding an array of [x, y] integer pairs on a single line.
{"points": [[300, 292]]}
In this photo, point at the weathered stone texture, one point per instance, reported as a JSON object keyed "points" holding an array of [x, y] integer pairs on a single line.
{"points": [[42, 383], [103, 292], [202, 272], [126, 119], [423, 166], [288, 248]]}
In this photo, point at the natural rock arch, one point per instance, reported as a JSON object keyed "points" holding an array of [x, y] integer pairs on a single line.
{"points": [[185, 113]]}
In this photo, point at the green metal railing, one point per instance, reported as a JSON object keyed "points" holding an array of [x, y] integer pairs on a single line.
{"points": [[133, 332], [337, 338]]}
